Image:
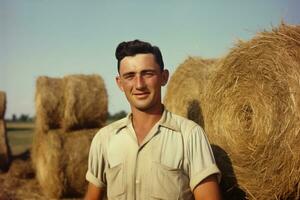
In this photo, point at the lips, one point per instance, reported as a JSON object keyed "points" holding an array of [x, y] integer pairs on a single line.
{"points": [[141, 94]]}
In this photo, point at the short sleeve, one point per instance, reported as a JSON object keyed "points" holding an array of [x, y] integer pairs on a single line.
{"points": [[201, 161], [96, 163]]}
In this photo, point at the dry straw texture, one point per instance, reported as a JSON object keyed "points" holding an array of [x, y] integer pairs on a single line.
{"points": [[49, 104], [185, 89], [71, 103], [65, 109], [5, 154], [19, 183], [252, 113], [2, 104], [61, 162], [86, 102]]}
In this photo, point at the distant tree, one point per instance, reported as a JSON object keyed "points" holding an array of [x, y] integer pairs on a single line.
{"points": [[32, 119], [14, 117], [120, 115], [24, 118], [109, 115], [116, 116]]}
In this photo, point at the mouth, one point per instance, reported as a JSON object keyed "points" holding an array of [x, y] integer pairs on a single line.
{"points": [[141, 95]]}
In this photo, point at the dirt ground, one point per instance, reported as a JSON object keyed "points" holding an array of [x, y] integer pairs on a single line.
{"points": [[19, 182]]}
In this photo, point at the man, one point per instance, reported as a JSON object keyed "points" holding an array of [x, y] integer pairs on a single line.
{"points": [[152, 153]]}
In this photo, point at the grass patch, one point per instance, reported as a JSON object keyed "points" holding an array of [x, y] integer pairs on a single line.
{"points": [[19, 136]]}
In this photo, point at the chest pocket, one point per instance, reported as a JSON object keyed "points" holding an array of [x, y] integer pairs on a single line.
{"points": [[166, 183], [116, 182]]}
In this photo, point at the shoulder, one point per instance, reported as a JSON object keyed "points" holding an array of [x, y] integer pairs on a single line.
{"points": [[107, 131], [182, 124]]}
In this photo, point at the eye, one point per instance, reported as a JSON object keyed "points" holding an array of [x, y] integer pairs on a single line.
{"points": [[148, 73], [128, 76]]}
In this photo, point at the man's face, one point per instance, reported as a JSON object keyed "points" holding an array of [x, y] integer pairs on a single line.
{"points": [[140, 78]]}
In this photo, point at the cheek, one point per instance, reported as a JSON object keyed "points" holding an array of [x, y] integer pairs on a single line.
{"points": [[155, 82], [127, 86]]}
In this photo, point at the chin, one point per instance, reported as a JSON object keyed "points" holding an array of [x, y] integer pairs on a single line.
{"points": [[143, 107]]}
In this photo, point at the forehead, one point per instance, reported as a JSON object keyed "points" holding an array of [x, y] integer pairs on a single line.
{"points": [[138, 62]]}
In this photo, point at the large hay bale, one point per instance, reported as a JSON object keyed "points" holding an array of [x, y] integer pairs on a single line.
{"points": [[2, 104], [49, 103], [86, 102], [72, 103], [252, 113], [61, 162], [185, 89], [5, 153]]}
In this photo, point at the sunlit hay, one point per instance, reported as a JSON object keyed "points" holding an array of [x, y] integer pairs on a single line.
{"points": [[38, 137], [185, 90], [61, 162], [86, 102], [2, 104], [5, 153], [72, 103], [252, 113], [49, 103]]}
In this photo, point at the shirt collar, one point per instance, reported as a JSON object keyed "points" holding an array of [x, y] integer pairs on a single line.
{"points": [[122, 123], [166, 121]]}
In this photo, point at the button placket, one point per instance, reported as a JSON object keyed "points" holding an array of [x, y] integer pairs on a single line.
{"points": [[137, 186]]}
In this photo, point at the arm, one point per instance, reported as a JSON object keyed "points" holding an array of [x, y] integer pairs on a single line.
{"points": [[96, 171], [203, 171], [208, 189], [93, 193]]}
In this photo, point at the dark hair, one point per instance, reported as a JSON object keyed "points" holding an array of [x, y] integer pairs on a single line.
{"points": [[131, 48]]}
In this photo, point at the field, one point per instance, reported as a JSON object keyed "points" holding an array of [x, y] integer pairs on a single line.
{"points": [[19, 136]]}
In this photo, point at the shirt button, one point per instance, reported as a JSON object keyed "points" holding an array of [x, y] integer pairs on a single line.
{"points": [[137, 181]]}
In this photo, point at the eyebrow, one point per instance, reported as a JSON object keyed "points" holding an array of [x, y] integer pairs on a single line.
{"points": [[127, 74], [143, 71]]}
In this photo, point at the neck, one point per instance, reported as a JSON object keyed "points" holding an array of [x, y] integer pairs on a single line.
{"points": [[147, 118]]}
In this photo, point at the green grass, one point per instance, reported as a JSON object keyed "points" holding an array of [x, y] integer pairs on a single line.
{"points": [[19, 136]]}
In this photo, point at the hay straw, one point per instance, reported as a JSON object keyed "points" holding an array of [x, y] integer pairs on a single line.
{"points": [[252, 113], [61, 162], [185, 89], [21, 169], [5, 153], [86, 102], [2, 104], [19, 184], [49, 104], [72, 103]]}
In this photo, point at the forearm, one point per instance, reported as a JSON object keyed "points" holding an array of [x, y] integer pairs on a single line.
{"points": [[208, 189], [94, 193]]}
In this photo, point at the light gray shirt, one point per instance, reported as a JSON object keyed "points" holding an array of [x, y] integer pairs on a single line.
{"points": [[173, 159]]}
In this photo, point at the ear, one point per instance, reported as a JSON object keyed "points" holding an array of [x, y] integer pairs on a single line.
{"points": [[165, 77], [119, 83]]}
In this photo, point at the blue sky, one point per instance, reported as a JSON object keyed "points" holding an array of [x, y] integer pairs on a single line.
{"points": [[60, 37]]}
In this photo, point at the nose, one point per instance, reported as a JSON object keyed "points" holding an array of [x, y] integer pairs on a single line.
{"points": [[139, 82]]}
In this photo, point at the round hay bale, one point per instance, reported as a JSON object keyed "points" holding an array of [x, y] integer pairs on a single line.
{"points": [[49, 103], [61, 162], [86, 102], [5, 153], [38, 137], [2, 104], [252, 113], [185, 89]]}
